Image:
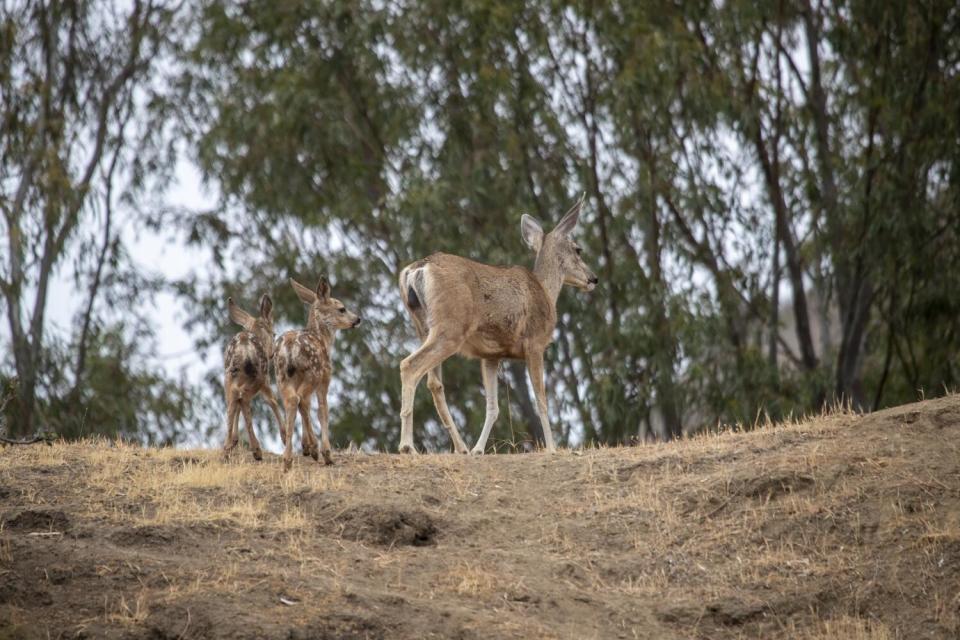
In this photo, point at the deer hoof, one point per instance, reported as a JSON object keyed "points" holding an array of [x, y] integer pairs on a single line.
{"points": [[407, 448], [287, 463], [327, 458], [476, 451], [258, 454]]}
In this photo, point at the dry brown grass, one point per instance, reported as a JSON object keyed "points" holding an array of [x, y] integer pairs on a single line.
{"points": [[848, 628], [839, 527]]}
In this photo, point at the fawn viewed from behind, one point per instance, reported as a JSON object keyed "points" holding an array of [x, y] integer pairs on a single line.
{"points": [[491, 313], [246, 371], [304, 368]]}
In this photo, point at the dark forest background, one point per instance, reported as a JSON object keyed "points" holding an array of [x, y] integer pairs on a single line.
{"points": [[773, 200]]}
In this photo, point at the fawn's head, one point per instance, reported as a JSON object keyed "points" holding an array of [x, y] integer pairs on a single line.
{"points": [[557, 250], [324, 311], [261, 326]]}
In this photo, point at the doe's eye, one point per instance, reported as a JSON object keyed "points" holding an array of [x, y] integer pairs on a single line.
{"points": [[343, 310]]}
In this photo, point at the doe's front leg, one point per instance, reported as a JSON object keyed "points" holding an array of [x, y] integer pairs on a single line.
{"points": [[535, 371]]}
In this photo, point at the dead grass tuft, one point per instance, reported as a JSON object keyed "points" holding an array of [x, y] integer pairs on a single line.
{"points": [[849, 628]]}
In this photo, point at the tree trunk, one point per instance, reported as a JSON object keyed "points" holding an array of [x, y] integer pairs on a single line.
{"points": [[665, 356], [854, 289], [801, 313]]}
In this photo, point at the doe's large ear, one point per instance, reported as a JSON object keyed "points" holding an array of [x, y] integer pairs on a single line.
{"points": [[532, 232], [304, 293], [266, 306], [323, 289], [239, 316], [570, 218]]}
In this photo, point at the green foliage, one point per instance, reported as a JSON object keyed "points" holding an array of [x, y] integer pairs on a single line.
{"points": [[77, 142], [773, 199], [352, 138]]}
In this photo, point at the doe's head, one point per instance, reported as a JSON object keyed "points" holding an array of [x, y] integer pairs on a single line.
{"points": [[558, 250], [324, 310], [261, 325]]}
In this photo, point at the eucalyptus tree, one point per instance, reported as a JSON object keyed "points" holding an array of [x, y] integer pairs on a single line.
{"points": [[75, 78], [765, 184]]}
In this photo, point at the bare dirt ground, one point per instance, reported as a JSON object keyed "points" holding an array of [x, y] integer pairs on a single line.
{"points": [[841, 527]]}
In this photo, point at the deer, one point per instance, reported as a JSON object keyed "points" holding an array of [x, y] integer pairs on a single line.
{"points": [[459, 306], [304, 367], [246, 372]]}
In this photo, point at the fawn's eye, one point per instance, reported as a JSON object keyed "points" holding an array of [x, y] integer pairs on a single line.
{"points": [[342, 309]]}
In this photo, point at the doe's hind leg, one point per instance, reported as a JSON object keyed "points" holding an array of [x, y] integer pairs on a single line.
{"points": [[435, 384], [431, 354]]}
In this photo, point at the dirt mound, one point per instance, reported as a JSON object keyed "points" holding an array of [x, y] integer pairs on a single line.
{"points": [[38, 520], [387, 525], [841, 527], [145, 536], [772, 484]]}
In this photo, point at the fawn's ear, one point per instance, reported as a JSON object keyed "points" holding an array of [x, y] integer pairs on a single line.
{"points": [[238, 315], [304, 293], [266, 307], [323, 289]]}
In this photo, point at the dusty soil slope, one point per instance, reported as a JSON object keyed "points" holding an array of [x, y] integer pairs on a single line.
{"points": [[841, 527]]}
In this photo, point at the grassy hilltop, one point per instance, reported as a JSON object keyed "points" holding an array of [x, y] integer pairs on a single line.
{"points": [[843, 526]]}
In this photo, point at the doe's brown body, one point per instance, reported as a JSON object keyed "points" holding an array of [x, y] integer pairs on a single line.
{"points": [[487, 312]]}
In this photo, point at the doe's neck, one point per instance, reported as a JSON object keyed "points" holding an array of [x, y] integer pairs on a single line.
{"points": [[547, 270]]}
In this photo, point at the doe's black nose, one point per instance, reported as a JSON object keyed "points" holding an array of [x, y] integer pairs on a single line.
{"points": [[593, 280], [356, 322]]}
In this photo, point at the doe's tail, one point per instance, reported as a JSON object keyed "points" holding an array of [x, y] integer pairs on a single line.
{"points": [[412, 285]]}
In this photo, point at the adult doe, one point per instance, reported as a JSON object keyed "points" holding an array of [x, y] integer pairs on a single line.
{"points": [[491, 313], [246, 371], [304, 368]]}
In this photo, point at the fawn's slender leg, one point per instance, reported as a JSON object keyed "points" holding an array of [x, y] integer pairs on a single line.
{"points": [[412, 369], [233, 414], [535, 371], [290, 402], [272, 401], [308, 431], [308, 439], [251, 435], [488, 369], [435, 384], [323, 415]]}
